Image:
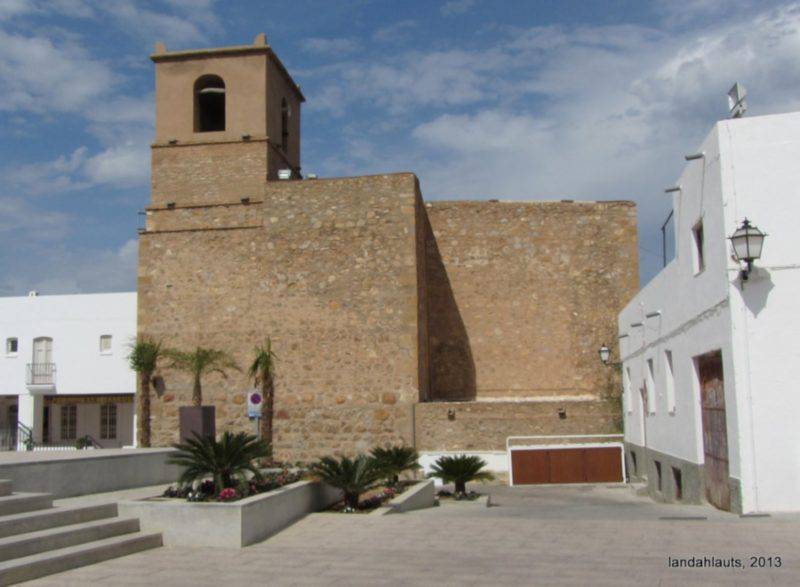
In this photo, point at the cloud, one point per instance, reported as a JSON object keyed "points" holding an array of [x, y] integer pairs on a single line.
{"points": [[588, 112], [11, 8], [329, 46], [454, 7], [39, 76], [187, 24], [394, 32], [19, 218], [121, 165], [64, 270]]}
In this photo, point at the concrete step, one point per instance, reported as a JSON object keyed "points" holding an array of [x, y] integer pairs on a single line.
{"points": [[24, 502], [41, 520], [56, 561], [6, 486], [22, 545]]}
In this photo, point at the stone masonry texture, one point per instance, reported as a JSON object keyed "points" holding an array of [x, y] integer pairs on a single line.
{"points": [[444, 325], [376, 302]]}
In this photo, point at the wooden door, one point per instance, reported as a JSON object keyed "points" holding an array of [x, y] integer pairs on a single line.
{"points": [[715, 432]]}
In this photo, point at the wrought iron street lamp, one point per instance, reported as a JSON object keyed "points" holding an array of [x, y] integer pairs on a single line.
{"points": [[747, 242], [605, 354]]}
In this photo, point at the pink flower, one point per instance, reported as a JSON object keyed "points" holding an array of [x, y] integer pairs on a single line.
{"points": [[227, 494]]}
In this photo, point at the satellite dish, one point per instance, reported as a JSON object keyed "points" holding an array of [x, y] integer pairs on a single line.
{"points": [[736, 100]]}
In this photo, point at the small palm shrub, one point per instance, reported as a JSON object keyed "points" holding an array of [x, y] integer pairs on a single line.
{"points": [[352, 476], [227, 461], [198, 363], [459, 470], [394, 461]]}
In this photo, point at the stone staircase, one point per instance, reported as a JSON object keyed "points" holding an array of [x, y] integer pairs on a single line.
{"points": [[37, 539]]}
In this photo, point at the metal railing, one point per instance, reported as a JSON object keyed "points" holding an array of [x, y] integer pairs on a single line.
{"points": [[20, 438], [41, 374]]}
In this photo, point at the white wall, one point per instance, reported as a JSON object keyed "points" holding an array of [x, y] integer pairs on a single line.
{"points": [[694, 317], [750, 169], [762, 179], [75, 323]]}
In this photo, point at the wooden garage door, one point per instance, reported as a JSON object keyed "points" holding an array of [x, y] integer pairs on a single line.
{"points": [[567, 465]]}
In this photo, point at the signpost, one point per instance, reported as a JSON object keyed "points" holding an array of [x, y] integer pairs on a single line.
{"points": [[254, 401]]}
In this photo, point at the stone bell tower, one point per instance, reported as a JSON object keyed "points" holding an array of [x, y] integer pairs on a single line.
{"points": [[227, 119]]}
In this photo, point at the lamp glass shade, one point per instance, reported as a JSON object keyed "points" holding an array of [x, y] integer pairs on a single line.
{"points": [[605, 353], [747, 242]]}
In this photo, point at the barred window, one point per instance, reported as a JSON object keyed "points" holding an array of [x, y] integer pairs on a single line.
{"points": [[69, 422], [108, 421]]}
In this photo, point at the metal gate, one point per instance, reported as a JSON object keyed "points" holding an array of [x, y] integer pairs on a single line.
{"points": [[715, 433]]}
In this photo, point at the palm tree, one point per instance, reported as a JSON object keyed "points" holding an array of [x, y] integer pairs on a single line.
{"points": [[226, 462], [395, 460], [143, 358], [263, 372], [459, 470], [352, 476], [198, 363]]}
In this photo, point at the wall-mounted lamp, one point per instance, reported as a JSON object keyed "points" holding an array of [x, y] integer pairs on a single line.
{"points": [[747, 242], [562, 413], [173, 141], [245, 137], [170, 205], [605, 357], [245, 201], [451, 414], [673, 189], [695, 156]]}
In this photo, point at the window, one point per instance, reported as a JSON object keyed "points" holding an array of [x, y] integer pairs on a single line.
{"points": [[650, 387], [284, 126], [678, 478], [626, 389], [69, 422], [670, 381], [699, 248], [659, 483], [12, 346], [105, 344], [108, 421], [209, 104]]}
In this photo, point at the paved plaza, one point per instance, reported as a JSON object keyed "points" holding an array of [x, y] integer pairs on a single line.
{"points": [[577, 535]]}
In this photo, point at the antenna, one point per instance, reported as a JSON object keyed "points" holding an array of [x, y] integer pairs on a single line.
{"points": [[736, 100]]}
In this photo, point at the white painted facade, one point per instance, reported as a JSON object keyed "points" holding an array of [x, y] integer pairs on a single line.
{"points": [[57, 352], [750, 169]]}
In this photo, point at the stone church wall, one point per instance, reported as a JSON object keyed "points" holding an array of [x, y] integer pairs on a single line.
{"points": [[522, 294], [330, 274]]}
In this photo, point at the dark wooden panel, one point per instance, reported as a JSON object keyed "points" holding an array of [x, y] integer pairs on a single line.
{"points": [[530, 466], [604, 465], [715, 432], [567, 465]]}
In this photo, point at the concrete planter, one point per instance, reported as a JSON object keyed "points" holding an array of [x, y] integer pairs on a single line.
{"points": [[420, 495], [69, 473], [234, 524]]}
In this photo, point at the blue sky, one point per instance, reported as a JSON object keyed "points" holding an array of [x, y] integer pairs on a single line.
{"points": [[506, 99]]}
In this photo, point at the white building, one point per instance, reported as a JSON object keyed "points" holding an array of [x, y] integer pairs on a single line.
{"points": [[64, 372], [711, 363]]}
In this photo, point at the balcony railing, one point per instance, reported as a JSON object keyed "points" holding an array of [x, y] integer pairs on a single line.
{"points": [[41, 374]]}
